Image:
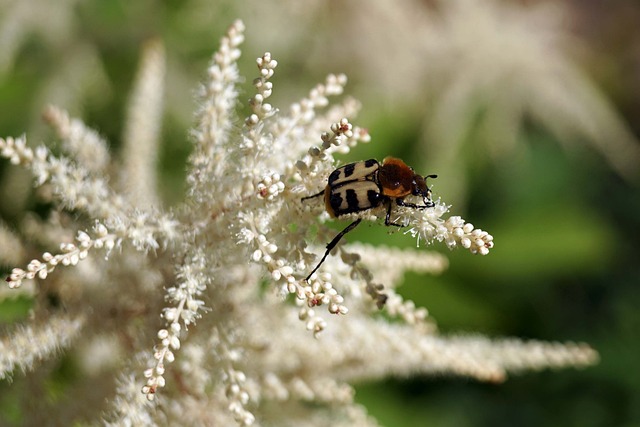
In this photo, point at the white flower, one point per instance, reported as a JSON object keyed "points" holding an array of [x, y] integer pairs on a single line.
{"points": [[206, 282]]}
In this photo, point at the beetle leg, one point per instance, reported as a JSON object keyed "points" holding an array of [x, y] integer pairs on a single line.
{"points": [[332, 244], [313, 196], [428, 204], [387, 219]]}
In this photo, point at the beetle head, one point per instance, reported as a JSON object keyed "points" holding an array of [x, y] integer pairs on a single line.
{"points": [[421, 189]]}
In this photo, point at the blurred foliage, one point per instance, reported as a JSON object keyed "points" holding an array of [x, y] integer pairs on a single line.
{"points": [[567, 229]]}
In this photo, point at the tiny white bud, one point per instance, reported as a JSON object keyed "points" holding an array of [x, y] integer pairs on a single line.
{"points": [[310, 325], [101, 230], [175, 327], [16, 274], [175, 342], [169, 314], [252, 120], [33, 265]]}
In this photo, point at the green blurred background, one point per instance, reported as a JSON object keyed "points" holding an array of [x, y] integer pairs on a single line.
{"points": [[563, 212]]}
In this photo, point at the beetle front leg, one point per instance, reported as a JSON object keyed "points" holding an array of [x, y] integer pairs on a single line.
{"points": [[387, 220], [428, 204]]}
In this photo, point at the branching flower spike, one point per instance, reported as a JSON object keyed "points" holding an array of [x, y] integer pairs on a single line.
{"points": [[218, 283]]}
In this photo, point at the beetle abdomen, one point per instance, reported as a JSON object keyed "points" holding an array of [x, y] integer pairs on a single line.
{"points": [[354, 196]]}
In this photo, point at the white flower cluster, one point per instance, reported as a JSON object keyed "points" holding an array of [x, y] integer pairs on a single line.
{"points": [[221, 269], [270, 186], [70, 254], [464, 234], [262, 109], [91, 150], [454, 231]]}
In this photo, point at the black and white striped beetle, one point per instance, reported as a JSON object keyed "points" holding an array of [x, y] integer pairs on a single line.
{"points": [[362, 186]]}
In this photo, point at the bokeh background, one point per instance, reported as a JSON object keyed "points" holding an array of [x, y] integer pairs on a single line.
{"points": [[528, 111]]}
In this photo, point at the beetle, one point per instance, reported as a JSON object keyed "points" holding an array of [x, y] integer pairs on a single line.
{"points": [[362, 186]]}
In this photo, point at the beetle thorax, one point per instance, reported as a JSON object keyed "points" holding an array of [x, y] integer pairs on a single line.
{"points": [[396, 178]]}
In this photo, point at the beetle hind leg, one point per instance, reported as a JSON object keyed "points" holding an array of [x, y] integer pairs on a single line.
{"points": [[332, 244]]}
